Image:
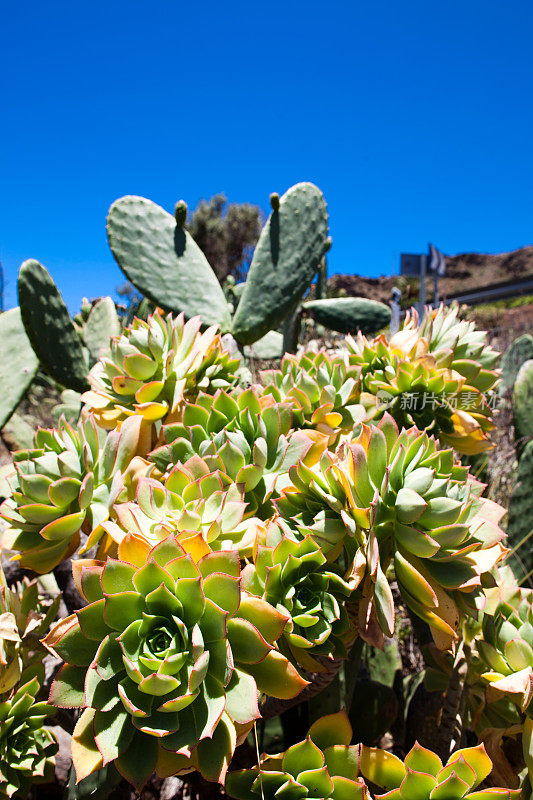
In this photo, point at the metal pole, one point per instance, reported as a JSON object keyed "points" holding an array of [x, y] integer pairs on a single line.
{"points": [[423, 268], [435, 289], [395, 310]]}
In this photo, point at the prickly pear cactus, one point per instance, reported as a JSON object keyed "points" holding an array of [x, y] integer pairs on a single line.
{"points": [[520, 521], [18, 364], [523, 401], [102, 323], [517, 353], [162, 260], [349, 314], [50, 328], [286, 259]]}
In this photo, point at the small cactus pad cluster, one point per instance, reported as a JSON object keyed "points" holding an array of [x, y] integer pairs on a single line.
{"points": [[326, 765]]}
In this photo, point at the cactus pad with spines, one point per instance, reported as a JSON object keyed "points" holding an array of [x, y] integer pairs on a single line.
{"points": [[163, 261], [49, 327], [287, 256], [520, 520], [523, 401], [18, 365], [102, 324], [519, 351], [349, 314]]}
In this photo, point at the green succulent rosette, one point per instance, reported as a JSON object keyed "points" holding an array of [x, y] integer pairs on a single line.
{"points": [[393, 499], [66, 484], [201, 508], [27, 749], [247, 437], [24, 617], [155, 365], [506, 650], [325, 765], [423, 383], [295, 578], [167, 660], [324, 392], [423, 776], [471, 354]]}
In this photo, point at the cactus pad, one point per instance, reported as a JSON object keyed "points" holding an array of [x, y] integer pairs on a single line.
{"points": [[163, 261], [289, 251], [19, 363], [350, 314], [102, 323], [523, 400], [520, 521], [518, 351], [50, 328]]}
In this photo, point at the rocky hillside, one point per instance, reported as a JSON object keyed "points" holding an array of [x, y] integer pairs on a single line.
{"points": [[465, 271]]}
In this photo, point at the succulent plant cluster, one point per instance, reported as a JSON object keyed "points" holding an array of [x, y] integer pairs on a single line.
{"points": [[423, 776], [394, 498], [245, 538], [323, 393], [248, 437], [25, 617], [230, 542], [65, 485], [436, 375], [27, 748], [154, 366], [166, 660], [326, 765]]}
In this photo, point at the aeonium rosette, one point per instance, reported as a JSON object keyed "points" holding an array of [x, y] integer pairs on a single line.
{"points": [[323, 390], [155, 365], [203, 509], [27, 748], [421, 383], [295, 578], [24, 617], [248, 437], [167, 660], [393, 498], [325, 765], [66, 484]]}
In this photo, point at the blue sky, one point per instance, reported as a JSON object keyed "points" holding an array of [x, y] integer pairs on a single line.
{"points": [[414, 118]]}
